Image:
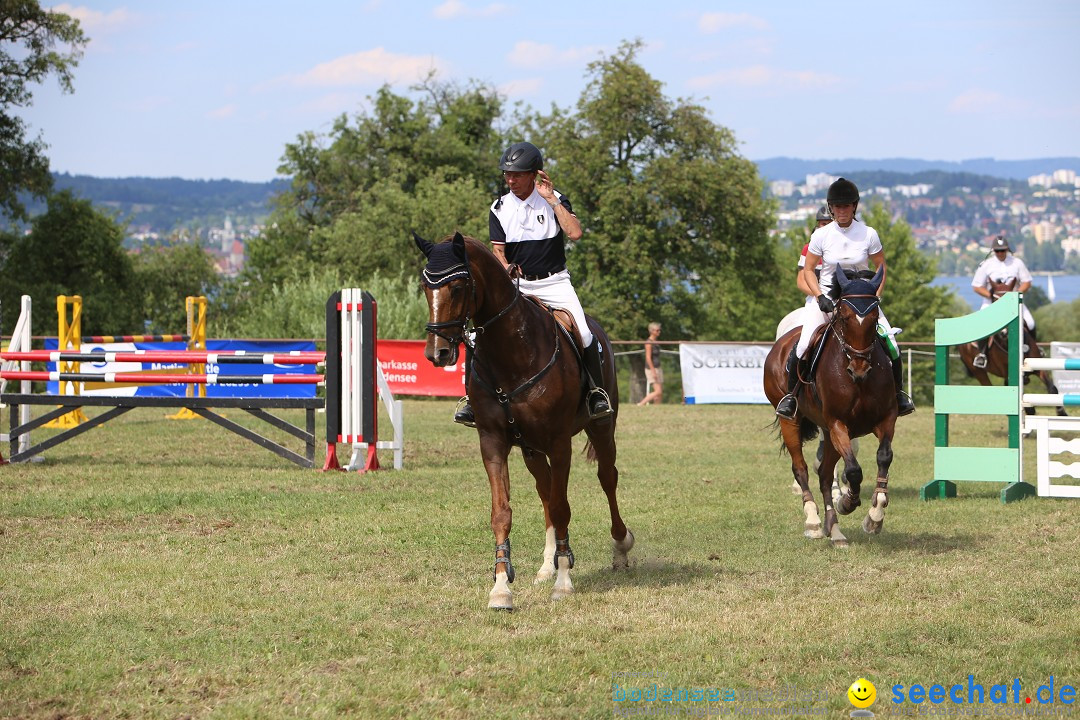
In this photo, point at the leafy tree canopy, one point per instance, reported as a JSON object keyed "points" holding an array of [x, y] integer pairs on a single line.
{"points": [[166, 275], [72, 249], [34, 43], [426, 164], [676, 224]]}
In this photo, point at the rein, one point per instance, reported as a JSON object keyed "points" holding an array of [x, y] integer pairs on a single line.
{"points": [[471, 335]]}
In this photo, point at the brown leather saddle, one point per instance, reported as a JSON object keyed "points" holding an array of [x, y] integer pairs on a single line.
{"points": [[565, 320]]}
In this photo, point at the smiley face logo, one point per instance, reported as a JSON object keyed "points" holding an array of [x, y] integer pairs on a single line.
{"points": [[862, 693]]}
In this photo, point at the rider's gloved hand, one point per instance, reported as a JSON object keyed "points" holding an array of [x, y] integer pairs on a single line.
{"points": [[825, 303]]}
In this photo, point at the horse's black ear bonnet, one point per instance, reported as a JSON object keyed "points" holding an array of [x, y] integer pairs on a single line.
{"points": [[446, 261], [863, 290]]}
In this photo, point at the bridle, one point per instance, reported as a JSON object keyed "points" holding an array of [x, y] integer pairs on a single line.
{"points": [[838, 325], [468, 328]]}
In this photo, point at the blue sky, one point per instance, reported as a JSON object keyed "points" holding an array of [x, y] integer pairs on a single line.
{"points": [[216, 89]]}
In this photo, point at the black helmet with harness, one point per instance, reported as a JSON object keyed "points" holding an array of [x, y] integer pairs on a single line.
{"points": [[521, 157], [843, 192]]}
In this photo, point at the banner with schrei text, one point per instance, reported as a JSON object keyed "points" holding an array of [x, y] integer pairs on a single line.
{"points": [[723, 373]]}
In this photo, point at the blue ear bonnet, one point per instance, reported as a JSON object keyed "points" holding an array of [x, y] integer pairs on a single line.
{"points": [[445, 263], [861, 305]]}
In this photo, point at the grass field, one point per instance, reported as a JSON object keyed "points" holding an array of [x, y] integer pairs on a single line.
{"points": [[164, 569]]}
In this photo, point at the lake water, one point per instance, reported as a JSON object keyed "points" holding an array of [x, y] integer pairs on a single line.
{"points": [[1066, 287]]}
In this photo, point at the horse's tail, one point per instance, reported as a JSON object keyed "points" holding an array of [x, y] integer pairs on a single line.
{"points": [[807, 431], [589, 451]]}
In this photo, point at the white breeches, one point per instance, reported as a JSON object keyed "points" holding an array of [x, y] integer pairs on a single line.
{"points": [[813, 318], [1028, 319], [557, 291]]}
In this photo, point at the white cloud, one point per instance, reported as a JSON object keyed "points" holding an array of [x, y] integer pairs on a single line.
{"points": [[455, 9], [223, 112], [717, 21], [532, 54], [95, 21], [524, 87], [367, 67], [764, 76], [977, 101]]}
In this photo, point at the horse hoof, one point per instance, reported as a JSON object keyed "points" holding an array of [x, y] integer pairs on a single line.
{"points": [[620, 559], [846, 506], [814, 531], [544, 574], [840, 543], [500, 600], [561, 593], [872, 527]]}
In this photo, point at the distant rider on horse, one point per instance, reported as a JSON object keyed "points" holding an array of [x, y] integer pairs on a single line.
{"points": [[851, 243], [529, 227], [1001, 269]]}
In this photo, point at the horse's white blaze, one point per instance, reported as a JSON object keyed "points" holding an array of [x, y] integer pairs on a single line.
{"points": [[547, 568], [563, 586], [500, 596], [861, 318]]}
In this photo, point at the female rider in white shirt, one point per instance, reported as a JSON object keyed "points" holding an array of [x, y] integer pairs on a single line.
{"points": [[851, 243]]}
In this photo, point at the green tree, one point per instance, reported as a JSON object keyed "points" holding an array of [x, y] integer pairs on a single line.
{"points": [[426, 164], [34, 43], [167, 275], [295, 308], [73, 249], [909, 301], [676, 227], [1059, 321]]}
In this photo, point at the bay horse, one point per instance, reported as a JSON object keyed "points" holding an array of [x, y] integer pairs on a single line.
{"points": [[850, 393], [526, 389], [997, 353]]}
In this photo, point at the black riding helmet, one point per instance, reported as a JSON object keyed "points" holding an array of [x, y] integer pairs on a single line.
{"points": [[521, 157], [843, 192], [824, 214]]}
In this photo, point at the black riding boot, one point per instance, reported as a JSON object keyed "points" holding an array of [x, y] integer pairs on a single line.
{"points": [[904, 404], [789, 404], [979, 360], [464, 413], [597, 399]]}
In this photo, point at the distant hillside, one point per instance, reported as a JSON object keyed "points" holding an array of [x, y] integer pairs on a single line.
{"points": [[785, 168], [163, 205]]}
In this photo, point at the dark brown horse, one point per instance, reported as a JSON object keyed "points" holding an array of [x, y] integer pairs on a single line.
{"points": [[526, 389], [997, 353], [850, 394]]}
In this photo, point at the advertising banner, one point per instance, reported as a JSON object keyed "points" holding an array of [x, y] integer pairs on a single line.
{"points": [[408, 372], [723, 373], [1067, 381], [248, 390]]}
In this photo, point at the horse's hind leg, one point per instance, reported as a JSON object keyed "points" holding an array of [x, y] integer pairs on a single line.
{"points": [[875, 519], [541, 471], [602, 442], [789, 431]]}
